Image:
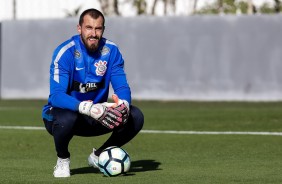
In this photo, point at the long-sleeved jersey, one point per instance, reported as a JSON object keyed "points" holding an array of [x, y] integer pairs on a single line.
{"points": [[77, 75]]}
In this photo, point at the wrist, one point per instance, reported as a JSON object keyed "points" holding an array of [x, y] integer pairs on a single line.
{"points": [[126, 103], [84, 107]]}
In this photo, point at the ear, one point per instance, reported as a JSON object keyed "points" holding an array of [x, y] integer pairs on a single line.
{"points": [[78, 28]]}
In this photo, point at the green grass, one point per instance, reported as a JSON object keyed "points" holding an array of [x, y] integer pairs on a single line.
{"points": [[28, 156]]}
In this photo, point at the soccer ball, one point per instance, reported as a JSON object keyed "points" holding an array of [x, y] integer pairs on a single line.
{"points": [[114, 161]]}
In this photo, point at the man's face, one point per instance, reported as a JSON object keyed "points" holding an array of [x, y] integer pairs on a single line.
{"points": [[91, 32]]}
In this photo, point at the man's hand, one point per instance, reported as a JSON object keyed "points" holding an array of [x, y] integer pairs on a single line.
{"points": [[121, 106], [102, 112]]}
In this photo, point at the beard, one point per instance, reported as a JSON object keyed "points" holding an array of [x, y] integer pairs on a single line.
{"points": [[90, 47]]}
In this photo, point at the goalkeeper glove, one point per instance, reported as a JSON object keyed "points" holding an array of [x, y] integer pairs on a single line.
{"points": [[102, 112], [122, 106]]}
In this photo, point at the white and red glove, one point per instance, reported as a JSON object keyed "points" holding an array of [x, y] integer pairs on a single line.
{"points": [[106, 115], [110, 115]]}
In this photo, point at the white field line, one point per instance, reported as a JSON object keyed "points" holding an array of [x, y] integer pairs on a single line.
{"points": [[22, 127], [210, 132], [166, 131]]}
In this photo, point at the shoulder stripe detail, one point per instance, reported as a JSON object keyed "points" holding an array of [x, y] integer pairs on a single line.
{"points": [[110, 42], [56, 65]]}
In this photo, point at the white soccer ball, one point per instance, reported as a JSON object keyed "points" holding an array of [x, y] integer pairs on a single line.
{"points": [[114, 161]]}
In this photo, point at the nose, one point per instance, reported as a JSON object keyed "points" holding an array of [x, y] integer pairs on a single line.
{"points": [[93, 32]]}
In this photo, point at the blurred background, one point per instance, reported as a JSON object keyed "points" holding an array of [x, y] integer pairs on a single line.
{"points": [[210, 50], [38, 9]]}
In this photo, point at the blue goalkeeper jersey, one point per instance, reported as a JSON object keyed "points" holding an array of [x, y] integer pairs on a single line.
{"points": [[77, 75]]}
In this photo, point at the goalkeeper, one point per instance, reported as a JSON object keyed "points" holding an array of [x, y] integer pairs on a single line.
{"points": [[81, 72]]}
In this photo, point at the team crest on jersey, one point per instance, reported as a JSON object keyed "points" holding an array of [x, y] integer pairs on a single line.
{"points": [[105, 50], [77, 54], [101, 67]]}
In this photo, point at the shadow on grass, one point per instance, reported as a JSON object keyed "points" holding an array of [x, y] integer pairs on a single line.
{"points": [[136, 166], [144, 165], [84, 170]]}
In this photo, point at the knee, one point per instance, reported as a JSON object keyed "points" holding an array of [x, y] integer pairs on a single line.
{"points": [[48, 126], [64, 118], [138, 118]]}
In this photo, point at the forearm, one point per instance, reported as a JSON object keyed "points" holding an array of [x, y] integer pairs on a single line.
{"points": [[121, 87], [64, 101]]}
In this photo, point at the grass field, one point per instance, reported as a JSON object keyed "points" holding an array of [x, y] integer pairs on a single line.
{"points": [[28, 156]]}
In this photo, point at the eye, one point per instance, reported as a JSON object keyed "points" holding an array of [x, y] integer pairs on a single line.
{"points": [[88, 27], [99, 28]]}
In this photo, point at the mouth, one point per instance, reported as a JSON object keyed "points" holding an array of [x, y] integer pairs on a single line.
{"points": [[93, 40]]}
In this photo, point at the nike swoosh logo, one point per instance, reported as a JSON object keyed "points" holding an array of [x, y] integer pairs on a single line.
{"points": [[76, 68], [98, 112]]}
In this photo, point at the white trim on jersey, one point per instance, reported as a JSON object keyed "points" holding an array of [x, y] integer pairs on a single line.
{"points": [[110, 42], [56, 65]]}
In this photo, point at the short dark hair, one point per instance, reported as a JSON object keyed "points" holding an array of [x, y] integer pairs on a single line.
{"points": [[94, 13]]}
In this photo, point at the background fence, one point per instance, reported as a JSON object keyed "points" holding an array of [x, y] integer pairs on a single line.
{"points": [[183, 58]]}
